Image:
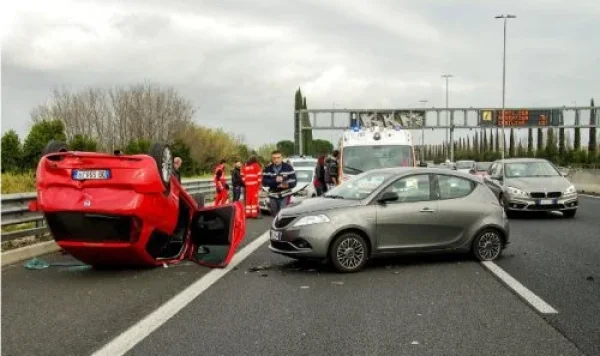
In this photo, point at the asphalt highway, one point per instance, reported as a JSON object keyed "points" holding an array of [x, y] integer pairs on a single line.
{"points": [[271, 305]]}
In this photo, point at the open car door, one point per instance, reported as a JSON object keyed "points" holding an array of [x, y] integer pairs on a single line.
{"points": [[216, 232]]}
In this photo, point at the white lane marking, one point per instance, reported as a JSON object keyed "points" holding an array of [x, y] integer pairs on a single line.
{"points": [[132, 336], [589, 196], [520, 289]]}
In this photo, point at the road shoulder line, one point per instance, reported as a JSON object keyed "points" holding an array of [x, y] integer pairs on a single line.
{"points": [[535, 301], [136, 333]]}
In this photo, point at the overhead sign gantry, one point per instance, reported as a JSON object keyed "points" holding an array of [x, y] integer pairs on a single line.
{"points": [[449, 119]]}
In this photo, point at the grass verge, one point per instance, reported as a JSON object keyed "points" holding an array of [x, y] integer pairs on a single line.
{"points": [[22, 242]]}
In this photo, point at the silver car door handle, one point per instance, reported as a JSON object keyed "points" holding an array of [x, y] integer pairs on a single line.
{"points": [[426, 210]]}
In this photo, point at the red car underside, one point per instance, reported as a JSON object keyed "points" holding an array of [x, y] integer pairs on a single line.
{"points": [[129, 218]]}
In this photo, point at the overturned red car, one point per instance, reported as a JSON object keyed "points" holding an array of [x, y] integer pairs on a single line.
{"points": [[130, 210]]}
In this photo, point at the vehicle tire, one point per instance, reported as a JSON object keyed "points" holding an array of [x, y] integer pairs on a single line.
{"points": [[55, 146], [164, 162], [200, 199], [569, 214], [349, 252], [487, 245]]}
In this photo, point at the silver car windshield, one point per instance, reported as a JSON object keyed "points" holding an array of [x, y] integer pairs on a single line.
{"points": [[304, 175], [530, 169], [358, 159], [465, 165], [483, 166], [358, 187]]}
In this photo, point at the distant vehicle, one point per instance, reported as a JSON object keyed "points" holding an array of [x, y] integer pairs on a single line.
{"points": [[481, 168], [301, 161], [377, 145], [447, 165], [306, 188], [465, 166], [393, 211], [108, 210], [532, 184]]}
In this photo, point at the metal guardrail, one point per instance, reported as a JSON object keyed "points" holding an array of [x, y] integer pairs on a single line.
{"points": [[15, 210]]}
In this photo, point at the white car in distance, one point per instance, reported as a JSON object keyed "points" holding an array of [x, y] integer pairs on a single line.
{"points": [[305, 172]]}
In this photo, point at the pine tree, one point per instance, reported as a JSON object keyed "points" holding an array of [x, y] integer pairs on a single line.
{"points": [[577, 140], [307, 137], [511, 146], [562, 153], [530, 143], [592, 145], [498, 138], [539, 152], [551, 150], [297, 120], [482, 143], [521, 151]]}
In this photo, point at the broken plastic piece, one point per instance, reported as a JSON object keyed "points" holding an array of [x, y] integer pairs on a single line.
{"points": [[36, 263]]}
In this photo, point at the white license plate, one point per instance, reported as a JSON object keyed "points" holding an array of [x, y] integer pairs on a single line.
{"points": [[546, 202], [96, 174], [275, 235]]}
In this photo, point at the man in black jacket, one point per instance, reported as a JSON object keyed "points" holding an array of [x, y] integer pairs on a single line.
{"points": [[236, 181], [331, 170]]}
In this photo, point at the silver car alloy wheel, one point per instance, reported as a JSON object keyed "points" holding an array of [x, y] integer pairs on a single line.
{"points": [[350, 253], [489, 246]]}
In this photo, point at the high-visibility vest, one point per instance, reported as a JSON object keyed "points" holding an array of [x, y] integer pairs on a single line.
{"points": [[251, 174], [219, 182]]}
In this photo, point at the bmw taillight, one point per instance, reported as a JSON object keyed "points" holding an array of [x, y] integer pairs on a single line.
{"points": [[136, 229]]}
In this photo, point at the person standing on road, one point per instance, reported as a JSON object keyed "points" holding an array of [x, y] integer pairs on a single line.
{"points": [[319, 181], [332, 170], [278, 177], [236, 181], [176, 166], [252, 176], [221, 186]]}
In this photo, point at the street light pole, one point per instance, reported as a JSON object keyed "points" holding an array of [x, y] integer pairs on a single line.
{"points": [[450, 146], [505, 17]]}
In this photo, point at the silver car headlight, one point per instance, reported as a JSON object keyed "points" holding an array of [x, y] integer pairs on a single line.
{"points": [[311, 220], [516, 192], [570, 190]]}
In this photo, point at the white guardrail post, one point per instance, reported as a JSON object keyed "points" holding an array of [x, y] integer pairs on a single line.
{"points": [[15, 211]]}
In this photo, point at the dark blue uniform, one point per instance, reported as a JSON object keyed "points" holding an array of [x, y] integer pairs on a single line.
{"points": [[270, 174]]}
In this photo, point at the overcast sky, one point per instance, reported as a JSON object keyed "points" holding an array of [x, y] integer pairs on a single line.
{"points": [[241, 61]]}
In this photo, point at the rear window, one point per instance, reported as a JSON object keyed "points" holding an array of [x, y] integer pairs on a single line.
{"points": [[454, 187]]}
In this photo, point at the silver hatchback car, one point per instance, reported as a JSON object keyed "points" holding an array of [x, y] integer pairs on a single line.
{"points": [[394, 211]]}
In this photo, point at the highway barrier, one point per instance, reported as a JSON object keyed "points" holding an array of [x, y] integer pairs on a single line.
{"points": [[18, 222], [585, 180]]}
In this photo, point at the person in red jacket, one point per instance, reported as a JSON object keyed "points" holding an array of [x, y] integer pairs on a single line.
{"points": [[222, 188], [252, 178]]}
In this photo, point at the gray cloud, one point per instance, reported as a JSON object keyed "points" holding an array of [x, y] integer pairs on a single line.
{"points": [[241, 61]]}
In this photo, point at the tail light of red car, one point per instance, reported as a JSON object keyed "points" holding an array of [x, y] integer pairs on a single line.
{"points": [[136, 229]]}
